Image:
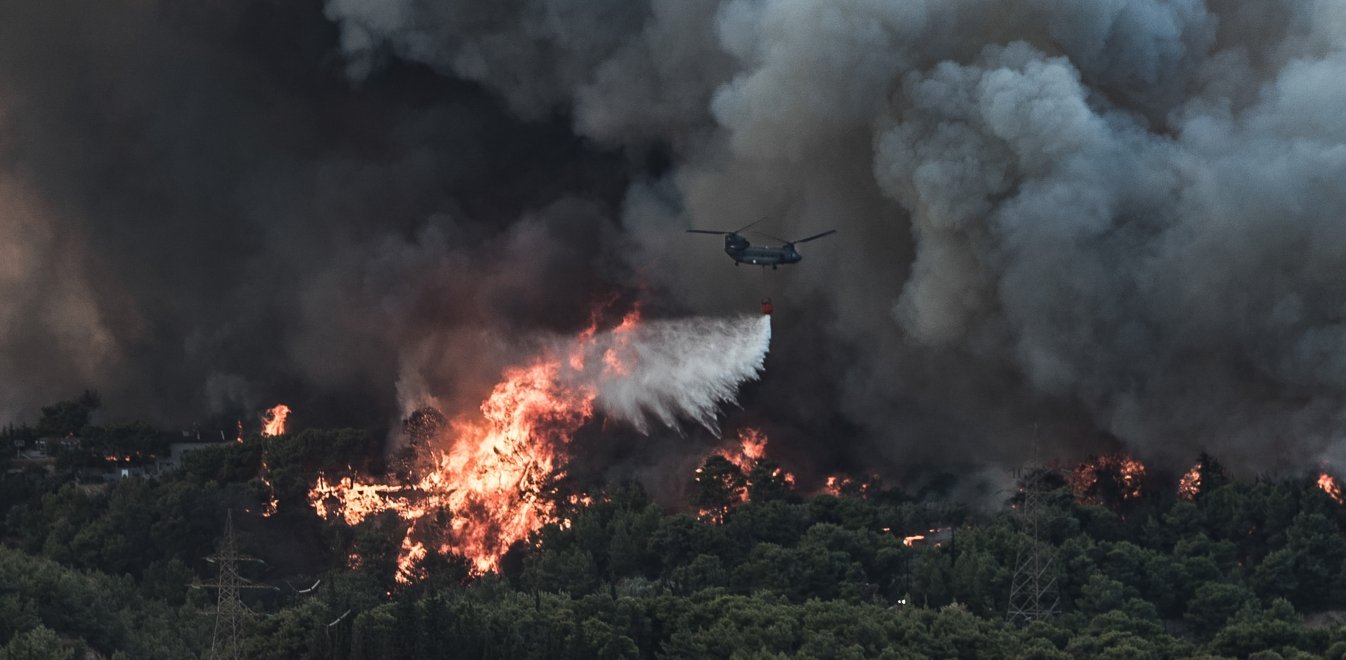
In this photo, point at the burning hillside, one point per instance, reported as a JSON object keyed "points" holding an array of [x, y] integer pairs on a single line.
{"points": [[485, 481]]}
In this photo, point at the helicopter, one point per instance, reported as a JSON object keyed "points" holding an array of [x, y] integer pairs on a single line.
{"points": [[743, 252]]}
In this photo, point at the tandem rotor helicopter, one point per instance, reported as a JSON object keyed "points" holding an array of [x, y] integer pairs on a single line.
{"points": [[743, 252]]}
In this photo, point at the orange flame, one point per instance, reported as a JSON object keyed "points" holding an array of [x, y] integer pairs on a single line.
{"points": [[496, 481], [932, 537], [1190, 484], [269, 508], [751, 448], [613, 361], [840, 485], [1329, 485], [273, 422], [1130, 474]]}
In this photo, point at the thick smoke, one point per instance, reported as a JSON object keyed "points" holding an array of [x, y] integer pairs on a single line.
{"points": [[1118, 222], [1114, 218]]}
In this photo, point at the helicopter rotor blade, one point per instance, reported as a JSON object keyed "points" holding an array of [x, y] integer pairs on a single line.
{"points": [[815, 236], [750, 224], [708, 231]]}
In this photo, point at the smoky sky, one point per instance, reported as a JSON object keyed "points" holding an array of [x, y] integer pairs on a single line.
{"points": [[1103, 223]]}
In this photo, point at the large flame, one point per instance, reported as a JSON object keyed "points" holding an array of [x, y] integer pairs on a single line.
{"points": [[493, 476], [273, 422], [494, 480]]}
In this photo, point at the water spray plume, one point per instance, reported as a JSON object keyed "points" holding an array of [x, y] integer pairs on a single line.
{"points": [[494, 473]]}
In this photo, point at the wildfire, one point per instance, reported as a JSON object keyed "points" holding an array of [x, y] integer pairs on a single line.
{"points": [[613, 361], [751, 448], [273, 422], [1129, 477], [476, 484], [1190, 484], [844, 486], [744, 457], [1329, 485], [496, 481], [269, 508], [935, 538]]}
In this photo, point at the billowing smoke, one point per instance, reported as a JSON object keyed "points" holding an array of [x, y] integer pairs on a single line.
{"points": [[1116, 221], [1113, 220]]}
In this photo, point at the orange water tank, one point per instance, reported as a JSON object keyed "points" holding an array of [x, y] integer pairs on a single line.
{"points": [[766, 306]]}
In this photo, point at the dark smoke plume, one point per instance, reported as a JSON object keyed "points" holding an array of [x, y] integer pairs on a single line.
{"points": [[1120, 222]]}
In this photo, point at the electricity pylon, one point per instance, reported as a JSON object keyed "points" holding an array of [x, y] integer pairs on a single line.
{"points": [[1033, 592], [229, 610]]}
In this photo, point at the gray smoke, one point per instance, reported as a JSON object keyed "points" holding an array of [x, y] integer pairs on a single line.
{"points": [[1115, 221]]}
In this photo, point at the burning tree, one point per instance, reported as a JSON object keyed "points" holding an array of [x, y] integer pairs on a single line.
{"points": [[733, 476], [480, 483], [1110, 479]]}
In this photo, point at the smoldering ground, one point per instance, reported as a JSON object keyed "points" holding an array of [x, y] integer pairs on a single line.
{"points": [[1117, 222]]}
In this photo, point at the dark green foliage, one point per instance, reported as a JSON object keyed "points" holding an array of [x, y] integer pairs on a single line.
{"points": [[106, 570]]}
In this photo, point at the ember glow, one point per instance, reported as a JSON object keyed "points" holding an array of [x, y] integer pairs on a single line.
{"points": [[1127, 474], [1329, 485], [489, 480], [1190, 484], [844, 486], [273, 422], [935, 538], [268, 508]]}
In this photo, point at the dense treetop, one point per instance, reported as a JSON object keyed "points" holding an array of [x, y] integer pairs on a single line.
{"points": [[1245, 567]]}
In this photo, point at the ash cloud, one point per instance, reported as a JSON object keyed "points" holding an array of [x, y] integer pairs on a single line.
{"points": [[1118, 221]]}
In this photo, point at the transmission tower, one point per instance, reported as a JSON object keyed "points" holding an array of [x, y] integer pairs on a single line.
{"points": [[229, 610], [1033, 593]]}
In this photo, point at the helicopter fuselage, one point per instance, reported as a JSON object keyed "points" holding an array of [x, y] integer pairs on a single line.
{"points": [[743, 252]]}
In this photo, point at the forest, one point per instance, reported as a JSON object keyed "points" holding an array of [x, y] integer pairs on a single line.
{"points": [[748, 568]]}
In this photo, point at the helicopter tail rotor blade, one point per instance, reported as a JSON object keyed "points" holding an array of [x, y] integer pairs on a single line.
{"points": [[815, 236]]}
